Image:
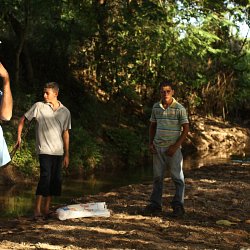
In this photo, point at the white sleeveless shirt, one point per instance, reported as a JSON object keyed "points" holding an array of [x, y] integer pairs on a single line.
{"points": [[4, 153]]}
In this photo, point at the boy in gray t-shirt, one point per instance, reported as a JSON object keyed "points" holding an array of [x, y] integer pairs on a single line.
{"points": [[53, 122]]}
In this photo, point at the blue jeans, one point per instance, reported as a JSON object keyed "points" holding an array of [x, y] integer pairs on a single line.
{"points": [[160, 162]]}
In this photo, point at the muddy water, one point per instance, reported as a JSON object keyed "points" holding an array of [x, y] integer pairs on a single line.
{"points": [[18, 200]]}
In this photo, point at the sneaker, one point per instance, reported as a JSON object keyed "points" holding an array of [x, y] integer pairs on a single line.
{"points": [[151, 209], [178, 212]]}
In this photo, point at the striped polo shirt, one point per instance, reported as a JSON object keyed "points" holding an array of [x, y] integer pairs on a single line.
{"points": [[169, 122]]}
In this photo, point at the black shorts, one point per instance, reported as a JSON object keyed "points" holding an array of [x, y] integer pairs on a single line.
{"points": [[50, 182]]}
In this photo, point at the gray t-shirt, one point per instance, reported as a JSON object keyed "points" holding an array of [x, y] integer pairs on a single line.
{"points": [[49, 127]]}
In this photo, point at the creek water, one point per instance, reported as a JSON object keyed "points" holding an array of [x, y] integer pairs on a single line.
{"points": [[18, 200]]}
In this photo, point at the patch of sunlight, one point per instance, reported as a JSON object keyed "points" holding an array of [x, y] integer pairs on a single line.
{"points": [[95, 229], [137, 217], [7, 245], [110, 194], [207, 181], [214, 190], [196, 228], [47, 246]]}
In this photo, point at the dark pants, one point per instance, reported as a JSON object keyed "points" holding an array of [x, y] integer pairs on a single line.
{"points": [[50, 182]]}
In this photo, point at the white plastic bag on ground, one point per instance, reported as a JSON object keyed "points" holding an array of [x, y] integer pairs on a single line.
{"points": [[95, 209]]}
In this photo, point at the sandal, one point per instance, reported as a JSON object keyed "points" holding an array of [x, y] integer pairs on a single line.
{"points": [[38, 217], [50, 215]]}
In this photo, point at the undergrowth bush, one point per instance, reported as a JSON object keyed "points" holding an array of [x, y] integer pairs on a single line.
{"points": [[95, 139], [26, 161], [85, 151], [24, 158], [128, 144]]}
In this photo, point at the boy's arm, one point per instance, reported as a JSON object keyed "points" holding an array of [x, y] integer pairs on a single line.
{"points": [[152, 131], [19, 131], [66, 148], [172, 149]]}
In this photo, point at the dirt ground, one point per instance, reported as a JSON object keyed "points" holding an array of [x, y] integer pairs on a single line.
{"points": [[217, 217]]}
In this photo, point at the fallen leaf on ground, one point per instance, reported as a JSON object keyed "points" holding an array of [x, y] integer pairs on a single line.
{"points": [[225, 222]]}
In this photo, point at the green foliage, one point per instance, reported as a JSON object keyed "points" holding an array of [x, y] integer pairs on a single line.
{"points": [[109, 57], [127, 144], [27, 161], [25, 158], [85, 151], [242, 94]]}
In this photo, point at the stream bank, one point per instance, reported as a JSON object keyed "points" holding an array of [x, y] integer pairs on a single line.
{"points": [[217, 207], [209, 137], [217, 217]]}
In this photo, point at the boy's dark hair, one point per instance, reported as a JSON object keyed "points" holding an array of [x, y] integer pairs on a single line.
{"points": [[52, 85], [166, 83]]}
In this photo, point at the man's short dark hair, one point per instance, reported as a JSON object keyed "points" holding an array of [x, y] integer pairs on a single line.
{"points": [[52, 85], [166, 83]]}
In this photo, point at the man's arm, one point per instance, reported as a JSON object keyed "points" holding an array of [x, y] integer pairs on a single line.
{"points": [[152, 131], [6, 105], [172, 149], [66, 148]]}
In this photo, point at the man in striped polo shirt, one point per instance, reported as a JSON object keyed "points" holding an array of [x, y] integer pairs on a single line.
{"points": [[169, 126]]}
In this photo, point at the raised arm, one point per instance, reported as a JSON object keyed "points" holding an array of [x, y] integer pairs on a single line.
{"points": [[6, 104]]}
